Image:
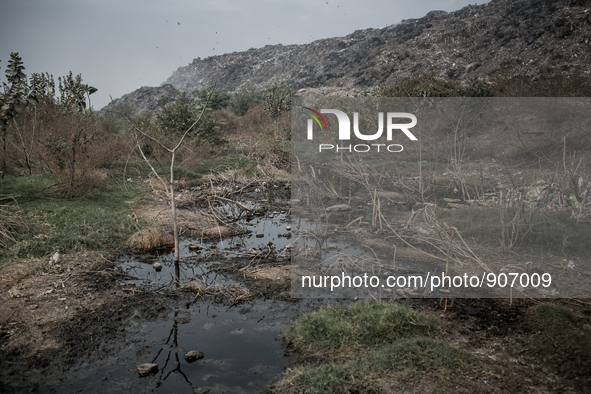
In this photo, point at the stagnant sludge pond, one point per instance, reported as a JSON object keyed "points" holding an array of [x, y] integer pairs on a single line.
{"points": [[241, 349], [240, 341]]}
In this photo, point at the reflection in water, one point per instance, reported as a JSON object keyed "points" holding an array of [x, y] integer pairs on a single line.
{"points": [[174, 347], [243, 353]]}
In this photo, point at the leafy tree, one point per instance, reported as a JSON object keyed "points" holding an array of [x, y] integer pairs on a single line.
{"points": [[179, 113], [42, 86], [41, 89], [73, 93], [13, 100], [219, 100]]}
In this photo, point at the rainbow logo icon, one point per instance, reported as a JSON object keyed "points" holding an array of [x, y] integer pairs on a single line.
{"points": [[316, 115]]}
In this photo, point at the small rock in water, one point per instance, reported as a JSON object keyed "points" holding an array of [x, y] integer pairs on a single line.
{"points": [[157, 267], [288, 228], [147, 369], [339, 207], [193, 356], [260, 235]]}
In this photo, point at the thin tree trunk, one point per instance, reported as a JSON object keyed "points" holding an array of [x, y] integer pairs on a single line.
{"points": [[4, 132], [72, 170], [173, 205]]}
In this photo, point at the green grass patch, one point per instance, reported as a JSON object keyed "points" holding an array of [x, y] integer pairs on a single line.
{"points": [[100, 222], [552, 313], [359, 325], [406, 362], [139, 168], [230, 162], [376, 341], [327, 378], [416, 355], [547, 232]]}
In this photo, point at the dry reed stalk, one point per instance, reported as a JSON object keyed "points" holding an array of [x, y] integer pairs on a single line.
{"points": [[449, 242], [233, 202]]}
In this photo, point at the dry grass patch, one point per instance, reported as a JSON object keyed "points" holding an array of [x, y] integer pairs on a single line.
{"points": [[11, 223], [150, 239]]}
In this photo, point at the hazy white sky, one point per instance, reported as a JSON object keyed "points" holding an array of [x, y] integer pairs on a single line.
{"points": [[119, 46]]}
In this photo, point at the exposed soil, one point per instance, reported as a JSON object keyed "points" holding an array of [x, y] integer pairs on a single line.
{"points": [[63, 314], [513, 351]]}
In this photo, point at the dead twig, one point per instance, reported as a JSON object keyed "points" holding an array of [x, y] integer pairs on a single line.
{"points": [[233, 202]]}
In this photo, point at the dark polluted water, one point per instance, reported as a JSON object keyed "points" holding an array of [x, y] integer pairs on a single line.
{"points": [[241, 344], [241, 347]]}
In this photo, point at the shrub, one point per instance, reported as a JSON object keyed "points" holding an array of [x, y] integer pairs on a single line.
{"points": [[244, 100], [218, 99], [277, 100], [177, 115]]}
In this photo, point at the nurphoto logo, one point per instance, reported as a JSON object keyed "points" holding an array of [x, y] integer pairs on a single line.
{"points": [[344, 131]]}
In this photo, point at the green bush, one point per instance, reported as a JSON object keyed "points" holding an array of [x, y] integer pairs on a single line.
{"points": [[218, 99], [244, 100], [178, 114]]}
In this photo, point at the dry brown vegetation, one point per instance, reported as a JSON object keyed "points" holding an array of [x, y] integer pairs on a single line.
{"points": [[70, 147], [150, 239], [11, 223]]}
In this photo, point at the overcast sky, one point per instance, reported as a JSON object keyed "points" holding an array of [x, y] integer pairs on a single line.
{"points": [[119, 46]]}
